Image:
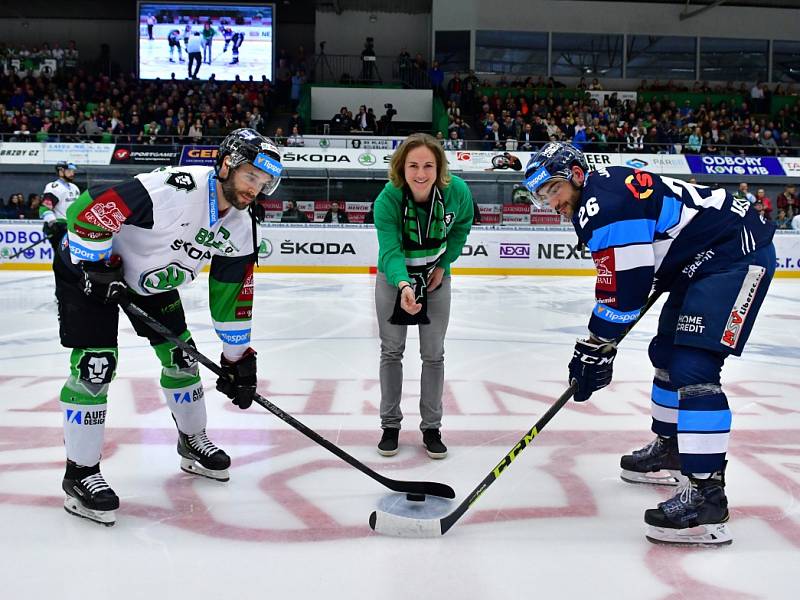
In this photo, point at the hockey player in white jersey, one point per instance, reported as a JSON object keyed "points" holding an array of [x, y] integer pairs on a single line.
{"points": [[57, 197], [165, 226]]}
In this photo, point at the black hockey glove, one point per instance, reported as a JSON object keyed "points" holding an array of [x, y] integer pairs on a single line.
{"points": [[54, 230], [103, 280], [239, 379], [592, 366]]}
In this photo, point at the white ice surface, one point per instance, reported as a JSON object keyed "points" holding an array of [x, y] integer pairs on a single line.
{"points": [[292, 521]]}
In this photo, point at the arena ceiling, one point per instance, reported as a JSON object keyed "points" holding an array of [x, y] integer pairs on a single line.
{"points": [[125, 8]]}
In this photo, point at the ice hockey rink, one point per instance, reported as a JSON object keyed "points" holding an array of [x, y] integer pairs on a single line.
{"points": [[292, 521]]}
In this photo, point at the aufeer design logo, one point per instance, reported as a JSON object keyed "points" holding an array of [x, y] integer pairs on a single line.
{"points": [[165, 278], [367, 159]]}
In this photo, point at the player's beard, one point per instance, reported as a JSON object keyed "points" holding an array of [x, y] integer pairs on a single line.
{"points": [[231, 195]]}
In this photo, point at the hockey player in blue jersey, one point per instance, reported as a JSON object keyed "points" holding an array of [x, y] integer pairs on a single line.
{"points": [[714, 256]]}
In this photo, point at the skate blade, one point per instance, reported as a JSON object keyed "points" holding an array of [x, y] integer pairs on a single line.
{"points": [[702, 535], [193, 468], [388, 452], [663, 477], [104, 517]]}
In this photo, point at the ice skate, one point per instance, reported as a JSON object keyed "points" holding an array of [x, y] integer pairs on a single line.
{"points": [[696, 515], [200, 456], [88, 494], [658, 463]]}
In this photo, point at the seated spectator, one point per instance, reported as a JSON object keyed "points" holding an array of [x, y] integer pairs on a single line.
{"points": [[295, 139], [761, 196], [634, 141], [335, 214], [695, 142], [32, 206], [292, 214], [196, 132], [768, 145], [151, 131], [15, 209], [279, 138], [494, 139], [362, 122], [652, 142], [340, 124], [744, 193], [454, 142], [782, 221], [787, 200]]}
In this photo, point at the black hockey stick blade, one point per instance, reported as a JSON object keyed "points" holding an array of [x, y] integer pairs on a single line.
{"points": [[429, 488], [397, 526]]}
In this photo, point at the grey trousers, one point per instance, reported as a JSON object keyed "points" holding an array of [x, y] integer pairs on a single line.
{"points": [[393, 344]]}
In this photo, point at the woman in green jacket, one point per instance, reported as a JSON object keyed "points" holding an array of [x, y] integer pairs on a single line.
{"points": [[423, 217]]}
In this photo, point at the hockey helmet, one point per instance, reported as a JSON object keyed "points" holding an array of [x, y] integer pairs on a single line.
{"points": [[65, 165], [554, 160], [248, 146]]}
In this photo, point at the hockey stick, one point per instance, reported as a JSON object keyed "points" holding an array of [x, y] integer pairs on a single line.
{"points": [[33, 245], [389, 524], [431, 488]]}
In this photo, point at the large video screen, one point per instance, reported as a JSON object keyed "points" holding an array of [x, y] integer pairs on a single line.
{"points": [[199, 41]]}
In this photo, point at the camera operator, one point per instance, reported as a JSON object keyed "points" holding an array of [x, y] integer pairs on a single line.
{"points": [[385, 126], [368, 60]]}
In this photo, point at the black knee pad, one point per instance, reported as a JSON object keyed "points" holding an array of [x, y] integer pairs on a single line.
{"points": [[660, 351]]}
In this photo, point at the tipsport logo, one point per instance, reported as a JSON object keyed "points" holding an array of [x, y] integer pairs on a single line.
{"points": [[537, 179], [268, 165]]}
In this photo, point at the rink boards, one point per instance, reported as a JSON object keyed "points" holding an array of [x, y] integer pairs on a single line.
{"points": [[354, 249]]}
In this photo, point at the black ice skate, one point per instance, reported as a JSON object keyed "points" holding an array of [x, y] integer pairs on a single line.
{"points": [[199, 456], [235, 61], [657, 463], [88, 494], [696, 515]]}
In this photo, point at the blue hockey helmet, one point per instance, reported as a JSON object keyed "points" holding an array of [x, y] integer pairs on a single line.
{"points": [[554, 160], [248, 146]]}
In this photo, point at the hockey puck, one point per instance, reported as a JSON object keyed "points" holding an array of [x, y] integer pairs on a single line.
{"points": [[415, 497]]}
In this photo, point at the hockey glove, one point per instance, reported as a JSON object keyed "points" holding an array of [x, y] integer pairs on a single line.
{"points": [[239, 379], [103, 280], [592, 366], [54, 230]]}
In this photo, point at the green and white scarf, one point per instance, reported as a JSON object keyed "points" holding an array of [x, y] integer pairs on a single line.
{"points": [[422, 247]]}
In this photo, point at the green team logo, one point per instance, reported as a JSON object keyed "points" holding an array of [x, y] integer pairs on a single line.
{"points": [[165, 278], [367, 159]]}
